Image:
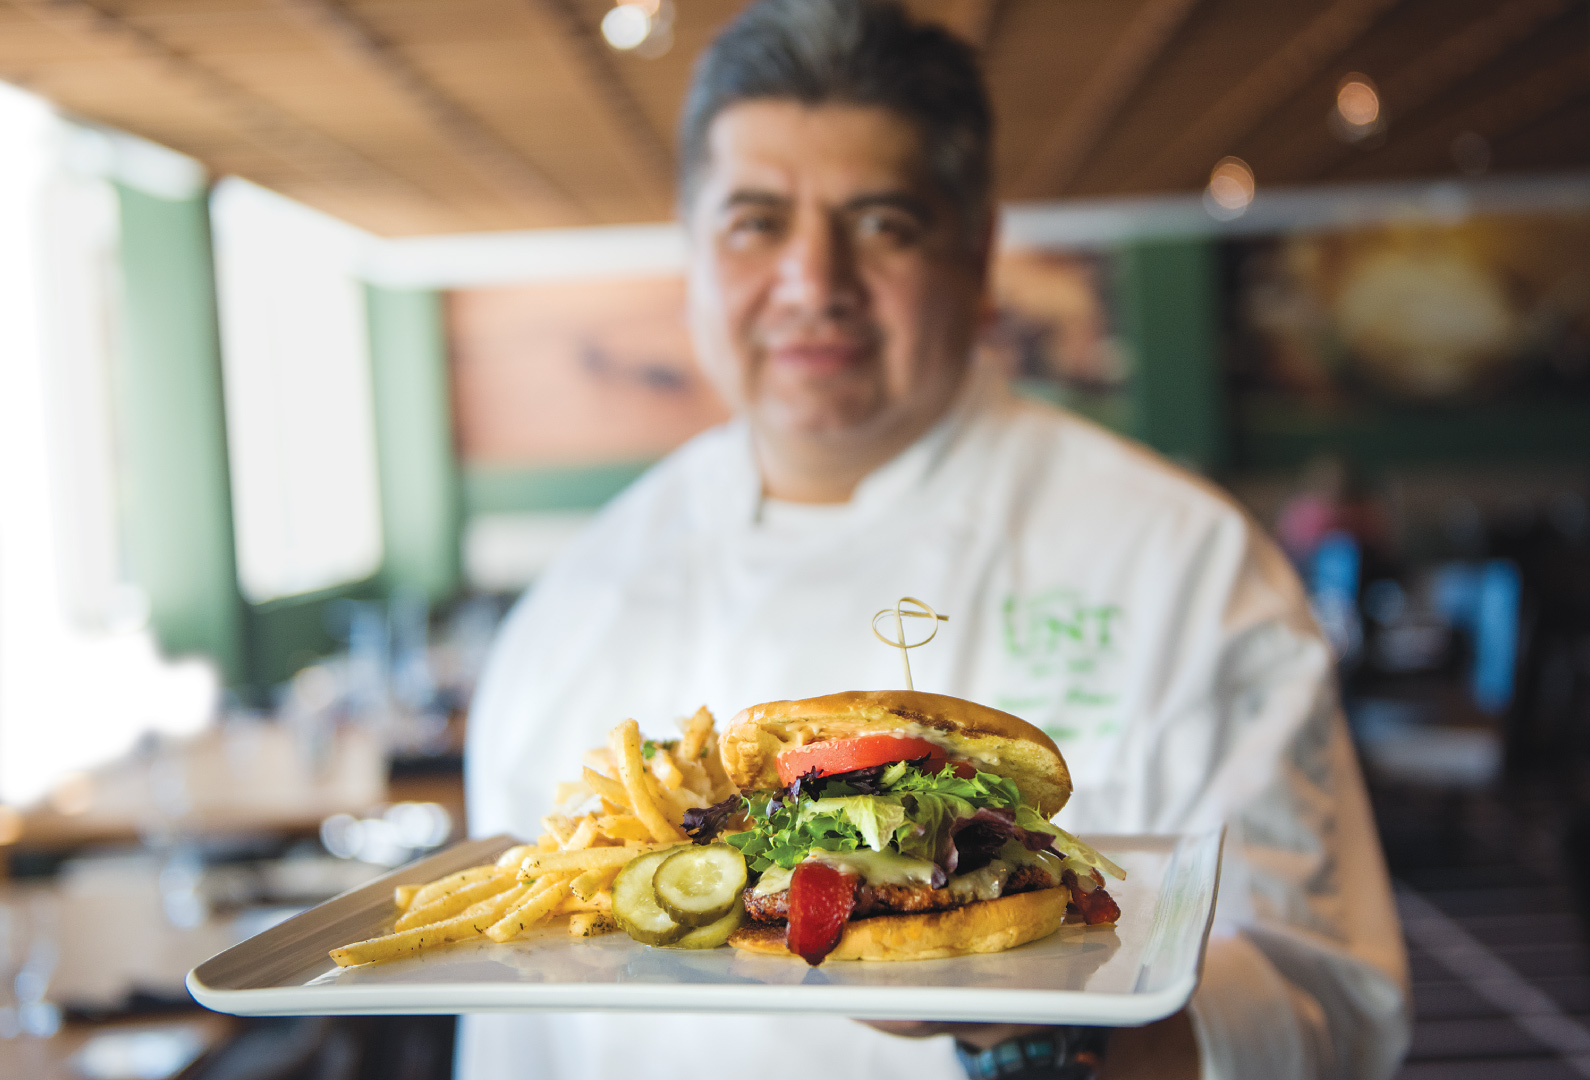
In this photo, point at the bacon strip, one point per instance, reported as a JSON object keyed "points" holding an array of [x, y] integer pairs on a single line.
{"points": [[1095, 907]]}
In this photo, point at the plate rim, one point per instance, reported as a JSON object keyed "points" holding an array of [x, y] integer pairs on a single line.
{"points": [[972, 1004]]}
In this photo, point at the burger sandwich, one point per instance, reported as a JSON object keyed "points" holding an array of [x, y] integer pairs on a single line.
{"points": [[899, 826]]}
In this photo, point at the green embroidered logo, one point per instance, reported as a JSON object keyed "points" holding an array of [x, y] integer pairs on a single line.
{"points": [[1058, 631], [1064, 648]]}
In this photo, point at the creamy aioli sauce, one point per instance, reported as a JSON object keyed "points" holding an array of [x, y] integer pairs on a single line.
{"points": [[891, 868], [872, 867]]}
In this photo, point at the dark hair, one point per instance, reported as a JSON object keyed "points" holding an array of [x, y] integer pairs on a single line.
{"points": [[851, 52]]}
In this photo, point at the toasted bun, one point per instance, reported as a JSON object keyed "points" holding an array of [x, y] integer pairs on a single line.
{"points": [[986, 926], [994, 740]]}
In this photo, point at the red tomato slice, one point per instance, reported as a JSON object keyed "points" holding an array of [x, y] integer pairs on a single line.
{"points": [[820, 902], [862, 752]]}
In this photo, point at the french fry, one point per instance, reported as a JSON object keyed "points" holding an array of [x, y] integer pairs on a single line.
{"points": [[623, 827], [529, 912], [570, 869], [559, 825], [696, 778], [591, 882], [664, 768], [698, 733], [583, 836], [569, 791], [625, 744], [556, 862], [573, 904], [591, 924], [510, 859], [608, 788], [681, 799], [473, 922], [445, 907], [493, 906], [722, 786], [447, 884], [664, 800]]}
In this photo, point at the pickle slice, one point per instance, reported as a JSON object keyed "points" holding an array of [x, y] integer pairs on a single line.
{"points": [[713, 934], [699, 885], [636, 908]]}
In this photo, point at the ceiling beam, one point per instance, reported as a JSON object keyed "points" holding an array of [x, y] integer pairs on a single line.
{"points": [[645, 156], [1525, 101], [974, 20], [1186, 160], [1082, 125], [492, 158], [311, 153], [1311, 153]]}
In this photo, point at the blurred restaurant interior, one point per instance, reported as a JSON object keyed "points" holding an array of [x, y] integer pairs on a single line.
{"points": [[324, 324]]}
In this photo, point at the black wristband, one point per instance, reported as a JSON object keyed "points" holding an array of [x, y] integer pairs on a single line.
{"points": [[1057, 1053]]}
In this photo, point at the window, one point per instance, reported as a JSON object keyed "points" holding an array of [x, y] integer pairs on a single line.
{"points": [[80, 677], [300, 423]]}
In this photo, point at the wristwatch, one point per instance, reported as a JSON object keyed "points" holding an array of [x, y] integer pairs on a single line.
{"points": [[1057, 1053]]}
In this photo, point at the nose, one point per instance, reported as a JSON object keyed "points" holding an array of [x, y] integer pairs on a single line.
{"points": [[817, 271]]}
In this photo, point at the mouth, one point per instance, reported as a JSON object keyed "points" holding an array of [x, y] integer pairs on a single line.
{"points": [[819, 358]]}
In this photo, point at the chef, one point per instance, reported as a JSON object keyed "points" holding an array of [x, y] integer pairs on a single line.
{"points": [[835, 188]]}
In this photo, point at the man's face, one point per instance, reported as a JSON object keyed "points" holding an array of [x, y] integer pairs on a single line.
{"points": [[834, 291]]}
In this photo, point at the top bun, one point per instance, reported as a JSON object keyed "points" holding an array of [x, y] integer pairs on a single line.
{"points": [[995, 741]]}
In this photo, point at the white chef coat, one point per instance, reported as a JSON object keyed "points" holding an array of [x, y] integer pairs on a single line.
{"points": [[1126, 607]]}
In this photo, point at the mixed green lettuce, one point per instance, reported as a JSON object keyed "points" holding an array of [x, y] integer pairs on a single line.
{"points": [[902, 807]]}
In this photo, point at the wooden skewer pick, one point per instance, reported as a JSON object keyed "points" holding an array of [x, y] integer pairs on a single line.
{"points": [[899, 642]]}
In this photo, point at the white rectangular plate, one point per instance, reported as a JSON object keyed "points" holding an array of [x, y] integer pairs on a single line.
{"points": [[1140, 970]]}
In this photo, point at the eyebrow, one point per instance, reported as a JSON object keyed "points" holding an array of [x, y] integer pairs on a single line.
{"points": [[752, 197], [898, 200], [895, 200]]}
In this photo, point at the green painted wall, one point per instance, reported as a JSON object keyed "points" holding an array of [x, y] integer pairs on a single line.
{"points": [[178, 507], [1169, 310], [420, 492]]}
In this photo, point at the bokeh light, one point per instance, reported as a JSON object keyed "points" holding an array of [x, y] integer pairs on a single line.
{"points": [[1231, 188], [393, 836], [1357, 114], [1358, 102], [626, 26]]}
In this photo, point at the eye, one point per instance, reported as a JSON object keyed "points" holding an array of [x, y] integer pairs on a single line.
{"points": [[887, 226], [749, 227]]}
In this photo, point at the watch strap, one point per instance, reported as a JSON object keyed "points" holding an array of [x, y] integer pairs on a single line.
{"points": [[1057, 1053]]}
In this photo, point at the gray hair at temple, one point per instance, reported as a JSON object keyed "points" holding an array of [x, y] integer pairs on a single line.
{"points": [[850, 52]]}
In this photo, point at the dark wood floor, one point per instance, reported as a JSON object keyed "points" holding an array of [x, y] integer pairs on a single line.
{"points": [[1501, 982]]}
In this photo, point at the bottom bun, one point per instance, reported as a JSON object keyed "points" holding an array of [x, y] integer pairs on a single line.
{"points": [[986, 926]]}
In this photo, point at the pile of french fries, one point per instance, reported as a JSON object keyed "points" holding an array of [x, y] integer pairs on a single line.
{"points": [[633, 795]]}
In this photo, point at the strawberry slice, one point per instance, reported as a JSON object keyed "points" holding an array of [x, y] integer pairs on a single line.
{"points": [[820, 902]]}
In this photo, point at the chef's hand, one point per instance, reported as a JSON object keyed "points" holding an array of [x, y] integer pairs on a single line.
{"points": [[1164, 1050]]}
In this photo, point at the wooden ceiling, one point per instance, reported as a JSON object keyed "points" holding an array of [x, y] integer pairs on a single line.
{"points": [[423, 116]]}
